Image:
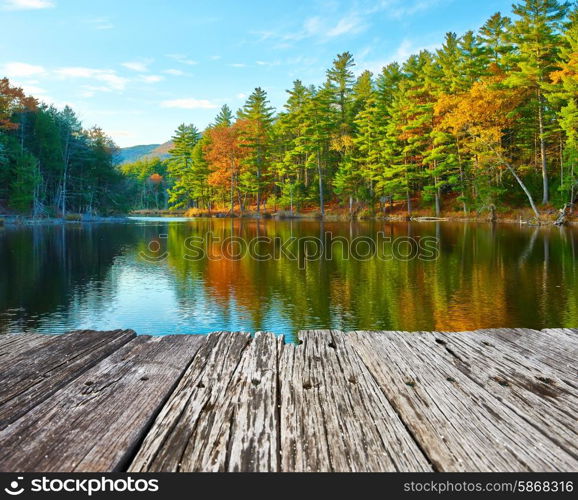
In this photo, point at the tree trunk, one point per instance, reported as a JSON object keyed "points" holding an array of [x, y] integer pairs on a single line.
{"points": [[462, 183], [232, 191], [523, 186], [518, 179], [409, 208], [545, 184], [320, 174], [259, 184], [564, 214]]}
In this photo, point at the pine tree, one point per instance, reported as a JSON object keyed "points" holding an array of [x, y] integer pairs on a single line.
{"points": [[536, 35], [24, 181], [258, 117], [180, 165], [340, 81], [495, 39], [564, 95], [225, 117]]}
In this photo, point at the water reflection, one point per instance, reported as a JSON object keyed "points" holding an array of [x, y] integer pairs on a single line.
{"points": [[54, 279]]}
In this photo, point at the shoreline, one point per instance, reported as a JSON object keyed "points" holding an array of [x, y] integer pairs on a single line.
{"points": [[522, 216], [24, 220]]}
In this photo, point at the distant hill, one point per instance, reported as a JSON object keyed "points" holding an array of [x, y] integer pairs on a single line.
{"points": [[134, 153]]}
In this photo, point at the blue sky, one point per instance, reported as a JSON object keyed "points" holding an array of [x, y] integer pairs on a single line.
{"points": [[140, 68]]}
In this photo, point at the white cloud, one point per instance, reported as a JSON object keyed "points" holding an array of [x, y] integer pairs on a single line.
{"points": [[347, 26], [406, 49], [152, 78], [30, 88], [91, 90], [319, 28], [188, 103], [174, 72], [215, 58], [268, 63], [311, 27], [139, 66], [408, 9], [326, 26], [105, 76], [241, 96], [183, 59], [26, 4], [20, 69]]}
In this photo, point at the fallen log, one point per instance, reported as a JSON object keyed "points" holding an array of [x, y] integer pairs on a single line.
{"points": [[564, 213]]}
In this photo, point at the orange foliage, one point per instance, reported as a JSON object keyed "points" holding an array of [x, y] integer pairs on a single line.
{"points": [[156, 178], [224, 153], [569, 71], [13, 99], [486, 107]]}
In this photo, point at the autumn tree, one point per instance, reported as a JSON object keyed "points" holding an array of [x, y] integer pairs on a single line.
{"points": [[224, 154]]}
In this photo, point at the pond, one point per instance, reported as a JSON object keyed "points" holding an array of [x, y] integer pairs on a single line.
{"points": [[165, 276]]}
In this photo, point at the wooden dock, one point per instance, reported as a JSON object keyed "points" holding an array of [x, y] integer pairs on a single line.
{"points": [[494, 400]]}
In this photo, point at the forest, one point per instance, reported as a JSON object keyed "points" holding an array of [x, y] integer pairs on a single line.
{"points": [[487, 122], [50, 165]]}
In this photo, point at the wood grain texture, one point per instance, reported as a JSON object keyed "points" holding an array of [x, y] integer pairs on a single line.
{"points": [[96, 422], [530, 388], [40, 372], [335, 417], [557, 349], [460, 425], [12, 346], [222, 416]]}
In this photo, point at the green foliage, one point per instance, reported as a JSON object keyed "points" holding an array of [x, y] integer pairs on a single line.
{"points": [[50, 164], [257, 116], [180, 165], [25, 178]]}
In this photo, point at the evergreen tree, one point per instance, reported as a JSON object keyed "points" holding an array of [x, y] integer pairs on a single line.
{"points": [[185, 139], [225, 117], [258, 117], [536, 35]]}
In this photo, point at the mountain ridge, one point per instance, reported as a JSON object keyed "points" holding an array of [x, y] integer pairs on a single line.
{"points": [[141, 151]]}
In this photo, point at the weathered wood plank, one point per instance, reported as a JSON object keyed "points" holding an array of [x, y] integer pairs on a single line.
{"points": [[13, 345], [567, 335], [334, 416], [95, 423], [222, 415], [33, 377], [458, 423], [528, 387], [548, 347], [253, 440]]}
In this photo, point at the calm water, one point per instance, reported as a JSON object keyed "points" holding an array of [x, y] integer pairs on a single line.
{"points": [[149, 275]]}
